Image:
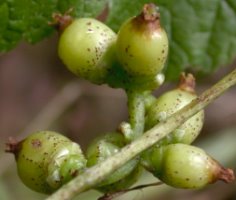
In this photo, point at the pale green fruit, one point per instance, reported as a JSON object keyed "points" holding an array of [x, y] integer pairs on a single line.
{"points": [[125, 182], [104, 147], [185, 166], [86, 47], [46, 160], [168, 104], [142, 44]]}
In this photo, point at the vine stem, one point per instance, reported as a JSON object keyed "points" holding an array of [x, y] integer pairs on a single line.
{"points": [[97, 173]]}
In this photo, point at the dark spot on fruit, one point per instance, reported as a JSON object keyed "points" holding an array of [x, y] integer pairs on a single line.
{"points": [[36, 143], [89, 23], [74, 173]]}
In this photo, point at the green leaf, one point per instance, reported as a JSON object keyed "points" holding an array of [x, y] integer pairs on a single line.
{"points": [[83, 8], [28, 19], [201, 33]]}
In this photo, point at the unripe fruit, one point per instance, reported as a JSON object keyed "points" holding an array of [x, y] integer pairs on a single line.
{"points": [[86, 47], [185, 166], [168, 104], [46, 160], [123, 183], [142, 44], [106, 146]]}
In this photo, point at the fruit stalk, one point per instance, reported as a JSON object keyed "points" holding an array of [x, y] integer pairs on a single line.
{"points": [[99, 172], [136, 109]]}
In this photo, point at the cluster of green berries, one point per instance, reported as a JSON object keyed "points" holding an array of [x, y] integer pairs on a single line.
{"points": [[133, 59]]}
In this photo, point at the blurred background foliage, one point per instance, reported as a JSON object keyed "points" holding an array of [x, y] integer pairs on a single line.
{"points": [[37, 92]]}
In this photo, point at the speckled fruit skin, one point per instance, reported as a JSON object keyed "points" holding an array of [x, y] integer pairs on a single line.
{"points": [[141, 49], [46, 160], [87, 48], [184, 166], [168, 104], [105, 146]]}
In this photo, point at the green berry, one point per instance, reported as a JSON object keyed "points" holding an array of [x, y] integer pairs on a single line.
{"points": [[123, 183], [168, 104], [86, 47], [104, 147], [142, 44], [185, 166], [46, 160]]}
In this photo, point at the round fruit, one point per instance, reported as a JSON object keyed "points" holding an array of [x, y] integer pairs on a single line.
{"points": [[46, 160], [168, 104], [86, 47], [104, 147], [185, 166], [142, 44]]}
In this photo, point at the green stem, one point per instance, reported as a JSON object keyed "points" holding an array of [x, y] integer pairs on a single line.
{"points": [[136, 109], [149, 99], [95, 174]]}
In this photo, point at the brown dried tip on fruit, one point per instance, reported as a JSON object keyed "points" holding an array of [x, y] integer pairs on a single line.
{"points": [[12, 146], [187, 83], [150, 12], [226, 175], [142, 44], [61, 21]]}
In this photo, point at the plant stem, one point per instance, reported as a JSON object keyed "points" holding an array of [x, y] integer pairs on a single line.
{"points": [[109, 196], [97, 173], [136, 110], [149, 99]]}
